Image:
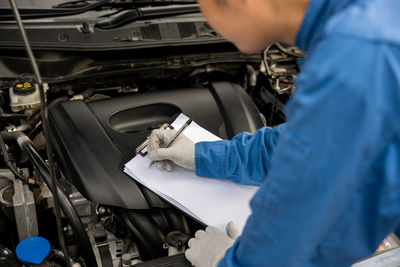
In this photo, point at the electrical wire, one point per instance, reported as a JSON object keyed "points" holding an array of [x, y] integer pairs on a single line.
{"points": [[287, 51], [44, 116], [6, 115], [264, 56]]}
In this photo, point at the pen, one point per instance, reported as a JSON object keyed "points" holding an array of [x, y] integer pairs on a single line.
{"points": [[186, 124]]}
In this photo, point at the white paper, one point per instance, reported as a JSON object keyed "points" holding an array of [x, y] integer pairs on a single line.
{"points": [[212, 201]]}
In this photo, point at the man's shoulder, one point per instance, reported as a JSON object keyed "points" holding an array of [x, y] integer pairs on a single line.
{"points": [[359, 65], [375, 20]]}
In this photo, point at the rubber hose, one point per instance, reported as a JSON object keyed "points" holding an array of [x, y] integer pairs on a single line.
{"points": [[152, 253], [175, 220], [143, 223], [7, 159]]}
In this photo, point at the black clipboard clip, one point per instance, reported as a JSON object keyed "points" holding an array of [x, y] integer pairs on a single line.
{"points": [[142, 148]]}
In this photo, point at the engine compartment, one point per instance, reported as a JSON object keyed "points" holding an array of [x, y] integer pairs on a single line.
{"points": [[118, 125], [101, 106]]}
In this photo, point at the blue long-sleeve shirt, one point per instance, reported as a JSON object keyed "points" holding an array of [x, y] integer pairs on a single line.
{"points": [[330, 177]]}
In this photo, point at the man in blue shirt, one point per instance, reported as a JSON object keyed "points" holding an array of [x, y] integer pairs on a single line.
{"points": [[330, 177]]}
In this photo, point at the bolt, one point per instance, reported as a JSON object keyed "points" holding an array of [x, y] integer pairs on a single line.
{"points": [[86, 28], [63, 37], [126, 259], [5, 252], [102, 210]]}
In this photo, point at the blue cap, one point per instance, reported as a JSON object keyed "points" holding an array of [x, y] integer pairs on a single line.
{"points": [[33, 250]]}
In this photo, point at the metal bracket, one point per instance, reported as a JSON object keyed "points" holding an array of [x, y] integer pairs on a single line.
{"points": [[25, 210]]}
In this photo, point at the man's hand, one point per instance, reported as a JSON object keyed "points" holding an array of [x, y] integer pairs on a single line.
{"points": [[208, 247], [181, 151]]}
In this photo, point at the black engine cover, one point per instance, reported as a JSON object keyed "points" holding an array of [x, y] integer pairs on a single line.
{"points": [[92, 141]]}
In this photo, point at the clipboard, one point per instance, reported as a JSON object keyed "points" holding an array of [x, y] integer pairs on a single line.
{"points": [[208, 201], [142, 151]]}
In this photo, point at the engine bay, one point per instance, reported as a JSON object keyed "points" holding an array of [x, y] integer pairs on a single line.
{"points": [[102, 105]]}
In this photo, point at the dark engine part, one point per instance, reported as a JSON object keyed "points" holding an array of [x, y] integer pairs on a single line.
{"points": [[171, 261], [93, 140]]}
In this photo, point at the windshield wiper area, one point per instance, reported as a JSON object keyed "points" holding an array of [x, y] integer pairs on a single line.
{"points": [[27, 13], [75, 7], [126, 3], [129, 16]]}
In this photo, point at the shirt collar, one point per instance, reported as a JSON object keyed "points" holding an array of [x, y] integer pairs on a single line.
{"points": [[317, 14]]}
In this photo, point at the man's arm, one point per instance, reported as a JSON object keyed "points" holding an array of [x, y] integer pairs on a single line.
{"points": [[245, 159], [335, 131]]}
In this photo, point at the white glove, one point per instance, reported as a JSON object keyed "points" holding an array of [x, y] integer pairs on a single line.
{"points": [[208, 247], [181, 151]]}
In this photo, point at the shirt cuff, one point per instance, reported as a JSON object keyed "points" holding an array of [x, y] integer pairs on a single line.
{"points": [[210, 159]]}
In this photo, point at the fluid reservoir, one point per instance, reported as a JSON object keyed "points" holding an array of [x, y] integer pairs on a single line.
{"points": [[24, 95], [33, 250]]}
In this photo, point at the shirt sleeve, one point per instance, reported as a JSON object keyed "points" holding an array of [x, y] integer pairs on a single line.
{"points": [[335, 130], [244, 159]]}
